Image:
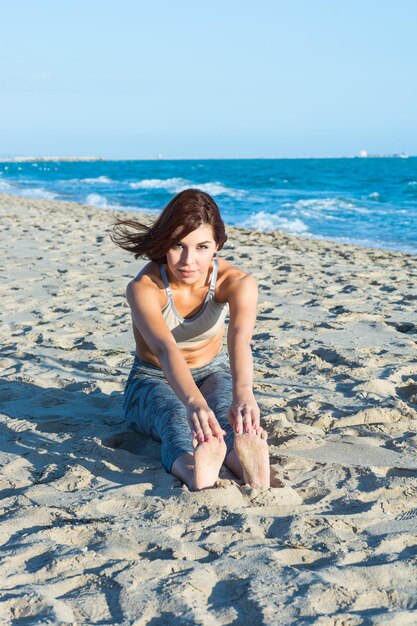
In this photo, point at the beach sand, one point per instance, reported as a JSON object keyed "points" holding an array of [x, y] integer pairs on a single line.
{"points": [[94, 531]]}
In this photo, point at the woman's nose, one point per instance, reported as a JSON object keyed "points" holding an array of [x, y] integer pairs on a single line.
{"points": [[187, 255]]}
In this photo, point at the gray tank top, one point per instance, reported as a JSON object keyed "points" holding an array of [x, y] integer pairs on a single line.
{"points": [[205, 324]]}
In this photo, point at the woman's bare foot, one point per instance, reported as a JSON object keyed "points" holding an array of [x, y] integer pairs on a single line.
{"points": [[252, 452], [208, 459]]}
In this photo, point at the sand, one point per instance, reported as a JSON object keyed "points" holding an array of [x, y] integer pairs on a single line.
{"points": [[94, 531]]}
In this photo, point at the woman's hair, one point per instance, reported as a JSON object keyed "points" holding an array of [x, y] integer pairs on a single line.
{"points": [[188, 210]]}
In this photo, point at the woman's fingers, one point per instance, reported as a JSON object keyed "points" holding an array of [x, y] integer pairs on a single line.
{"points": [[247, 420], [241, 422], [197, 430], [238, 421], [205, 426], [215, 427], [255, 416], [206, 430]]}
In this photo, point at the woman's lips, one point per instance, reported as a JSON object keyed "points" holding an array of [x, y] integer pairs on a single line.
{"points": [[187, 272]]}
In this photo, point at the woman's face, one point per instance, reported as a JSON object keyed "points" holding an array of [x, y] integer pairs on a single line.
{"points": [[189, 259]]}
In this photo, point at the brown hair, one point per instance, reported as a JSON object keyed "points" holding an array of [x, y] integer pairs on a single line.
{"points": [[188, 210]]}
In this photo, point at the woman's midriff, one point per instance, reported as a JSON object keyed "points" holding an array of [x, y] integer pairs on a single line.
{"points": [[194, 357]]}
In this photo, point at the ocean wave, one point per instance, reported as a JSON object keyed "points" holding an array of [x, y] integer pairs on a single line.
{"points": [[411, 187], [175, 185], [171, 184], [266, 222], [99, 179], [319, 208], [95, 199], [37, 192], [32, 192], [101, 202], [330, 204], [217, 189]]}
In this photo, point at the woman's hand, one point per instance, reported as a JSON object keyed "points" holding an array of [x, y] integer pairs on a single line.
{"points": [[244, 414], [203, 422]]}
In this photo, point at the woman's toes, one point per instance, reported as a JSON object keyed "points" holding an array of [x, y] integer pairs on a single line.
{"points": [[261, 432]]}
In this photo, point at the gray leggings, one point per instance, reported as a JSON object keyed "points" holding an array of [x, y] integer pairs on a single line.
{"points": [[152, 407]]}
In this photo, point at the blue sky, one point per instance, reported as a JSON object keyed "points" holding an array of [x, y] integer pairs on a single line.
{"points": [[218, 78]]}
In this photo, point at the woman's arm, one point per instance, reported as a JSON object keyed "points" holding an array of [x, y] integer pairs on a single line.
{"points": [[243, 299], [147, 317]]}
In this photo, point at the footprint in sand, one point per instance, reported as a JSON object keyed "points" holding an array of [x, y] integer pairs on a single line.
{"points": [[140, 445], [408, 391], [331, 356], [407, 328], [51, 473], [54, 398], [75, 478]]}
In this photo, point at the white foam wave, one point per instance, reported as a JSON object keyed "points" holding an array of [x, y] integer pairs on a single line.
{"points": [[31, 192], [172, 184], [175, 185], [266, 222], [325, 208], [374, 195], [35, 192], [101, 202], [95, 199], [99, 179], [217, 189], [330, 204]]}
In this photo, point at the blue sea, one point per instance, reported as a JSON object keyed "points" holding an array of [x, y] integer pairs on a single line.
{"points": [[365, 201]]}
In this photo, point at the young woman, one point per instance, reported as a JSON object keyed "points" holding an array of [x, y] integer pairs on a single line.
{"points": [[182, 390]]}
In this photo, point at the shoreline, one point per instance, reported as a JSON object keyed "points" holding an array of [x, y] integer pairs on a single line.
{"points": [[142, 212], [95, 531]]}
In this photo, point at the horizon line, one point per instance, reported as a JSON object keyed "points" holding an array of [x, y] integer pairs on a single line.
{"points": [[10, 159]]}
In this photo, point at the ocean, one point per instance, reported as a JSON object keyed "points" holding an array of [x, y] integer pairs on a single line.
{"points": [[364, 201]]}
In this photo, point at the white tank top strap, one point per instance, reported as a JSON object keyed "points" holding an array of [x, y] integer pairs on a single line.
{"points": [[165, 280], [214, 276]]}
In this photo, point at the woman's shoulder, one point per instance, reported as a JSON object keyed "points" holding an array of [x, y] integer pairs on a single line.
{"points": [[228, 271], [148, 280], [229, 276]]}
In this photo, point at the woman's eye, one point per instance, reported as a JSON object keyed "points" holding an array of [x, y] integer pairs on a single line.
{"points": [[176, 245]]}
